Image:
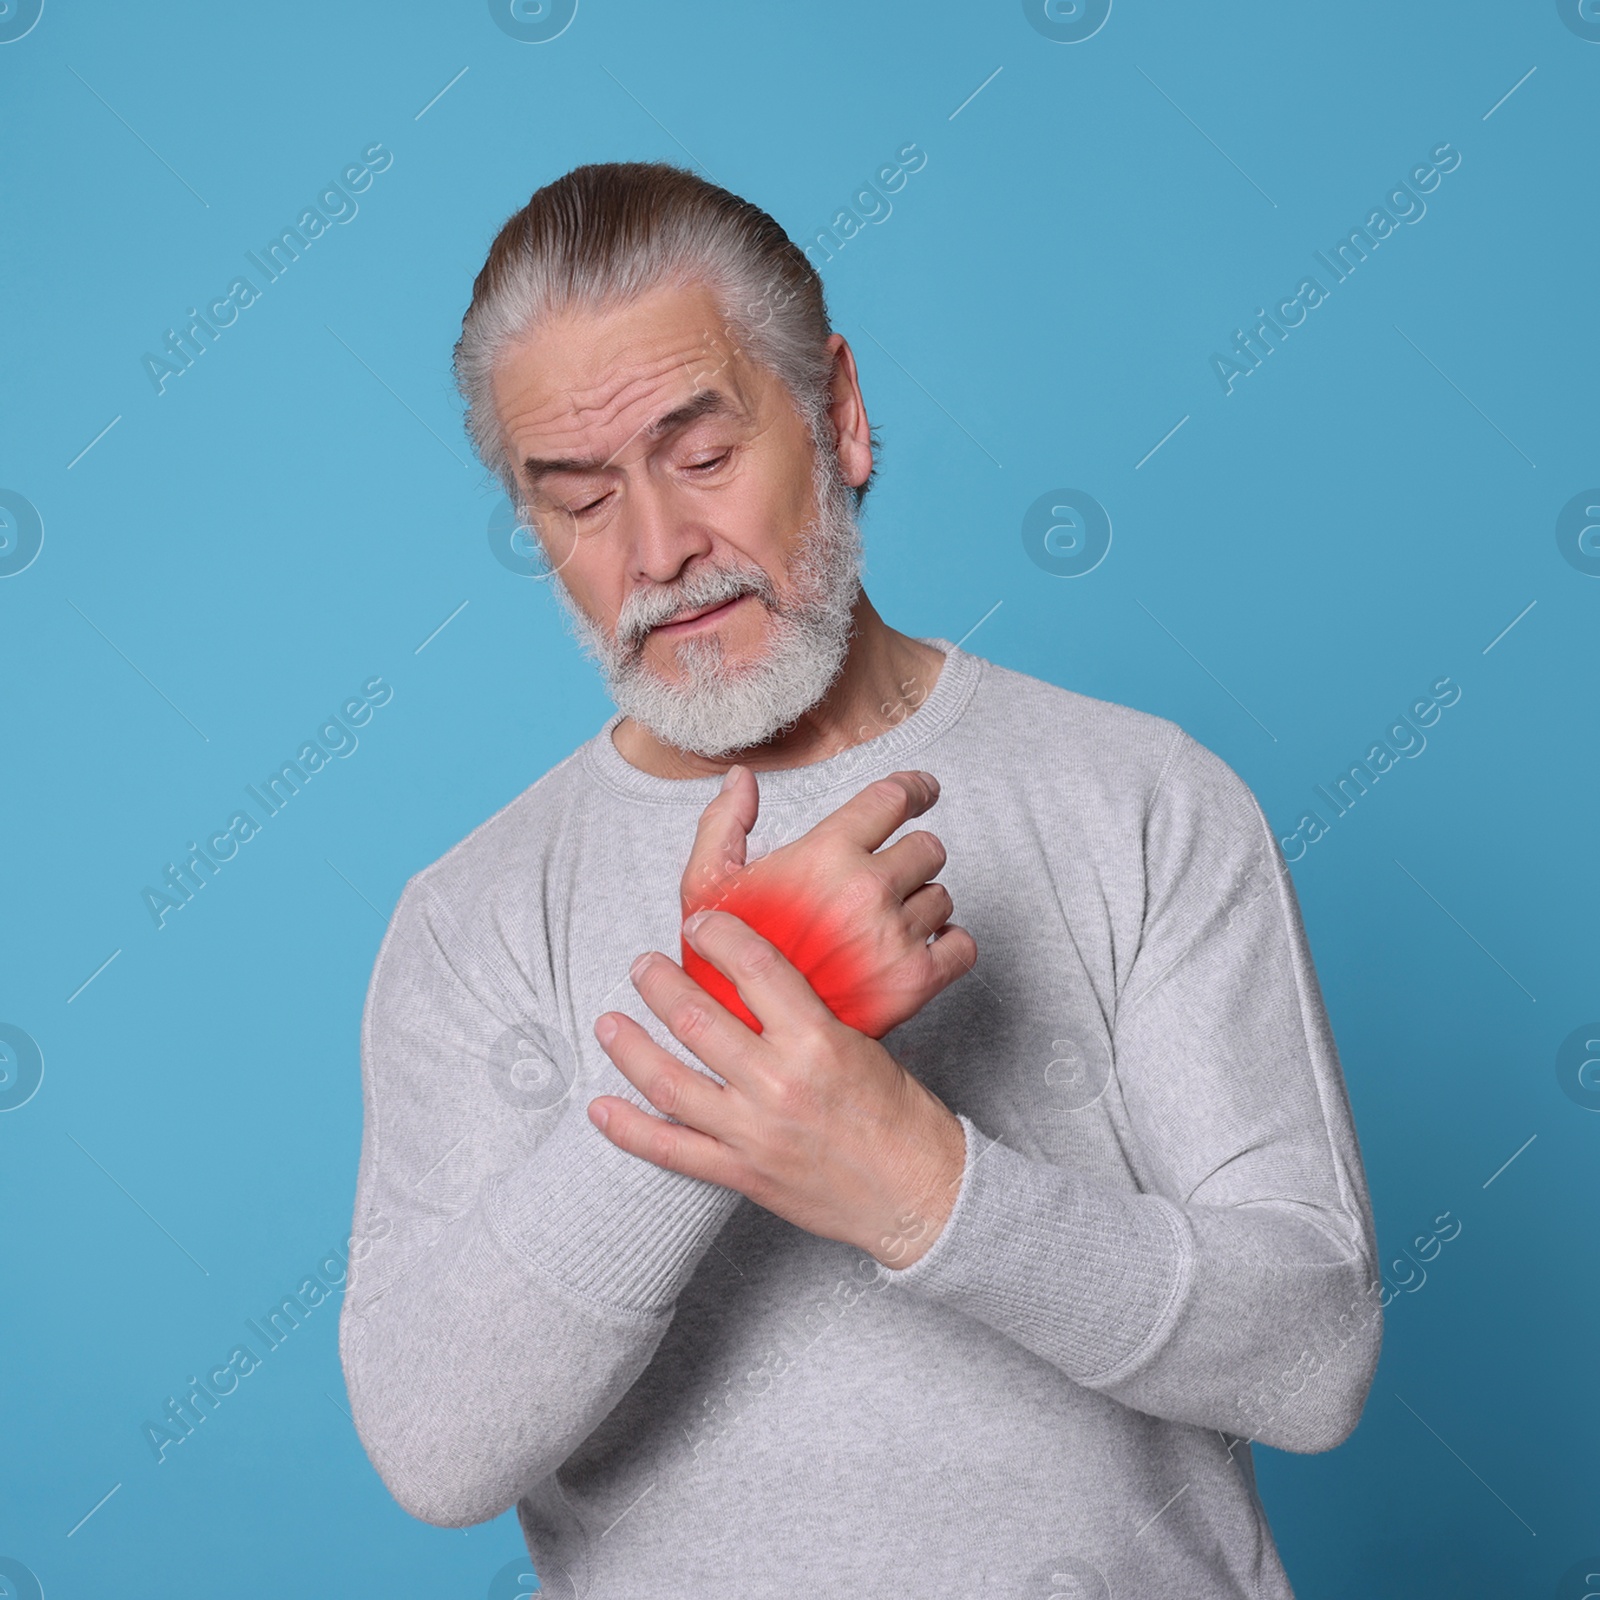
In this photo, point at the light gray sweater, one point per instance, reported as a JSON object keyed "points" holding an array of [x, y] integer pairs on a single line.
{"points": [[1161, 1246]]}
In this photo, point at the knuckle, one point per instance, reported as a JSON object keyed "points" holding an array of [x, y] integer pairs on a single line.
{"points": [[791, 1098], [690, 1021], [660, 1145], [891, 793], [861, 893], [665, 1093], [755, 959]]}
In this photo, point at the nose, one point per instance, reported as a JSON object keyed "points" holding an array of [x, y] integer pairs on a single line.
{"points": [[662, 534]]}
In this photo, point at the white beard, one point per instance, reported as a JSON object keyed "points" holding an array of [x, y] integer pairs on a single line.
{"points": [[716, 708]]}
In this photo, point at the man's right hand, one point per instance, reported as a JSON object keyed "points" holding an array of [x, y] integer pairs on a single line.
{"points": [[854, 918]]}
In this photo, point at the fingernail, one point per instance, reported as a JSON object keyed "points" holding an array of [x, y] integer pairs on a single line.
{"points": [[692, 923], [727, 780], [605, 1029], [639, 965], [599, 1115]]}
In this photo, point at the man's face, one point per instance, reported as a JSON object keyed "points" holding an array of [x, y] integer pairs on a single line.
{"points": [[650, 447], [706, 550]]}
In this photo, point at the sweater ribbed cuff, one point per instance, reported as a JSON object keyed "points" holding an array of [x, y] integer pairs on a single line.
{"points": [[608, 1227], [1088, 1276]]}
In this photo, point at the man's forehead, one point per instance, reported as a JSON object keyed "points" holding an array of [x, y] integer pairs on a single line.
{"points": [[704, 403], [589, 376]]}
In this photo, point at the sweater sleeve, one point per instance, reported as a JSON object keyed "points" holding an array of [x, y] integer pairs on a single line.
{"points": [[511, 1271], [1235, 1288]]}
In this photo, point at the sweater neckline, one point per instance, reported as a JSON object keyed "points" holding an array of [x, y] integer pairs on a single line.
{"points": [[949, 697]]}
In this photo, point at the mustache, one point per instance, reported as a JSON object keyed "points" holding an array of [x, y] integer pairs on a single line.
{"points": [[647, 609]]}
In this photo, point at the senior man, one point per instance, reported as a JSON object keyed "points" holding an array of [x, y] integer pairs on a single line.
{"points": [[828, 1258]]}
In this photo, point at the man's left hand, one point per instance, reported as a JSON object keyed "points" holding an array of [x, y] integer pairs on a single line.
{"points": [[815, 1122]]}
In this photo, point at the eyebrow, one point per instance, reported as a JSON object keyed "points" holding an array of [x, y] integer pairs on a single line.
{"points": [[708, 402]]}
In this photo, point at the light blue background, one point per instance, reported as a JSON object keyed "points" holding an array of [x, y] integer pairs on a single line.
{"points": [[299, 512]]}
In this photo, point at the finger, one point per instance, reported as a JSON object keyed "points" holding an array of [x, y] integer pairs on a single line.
{"points": [[672, 1088], [663, 1144], [693, 1017], [720, 839], [930, 908], [881, 807], [774, 990], [953, 954], [910, 862]]}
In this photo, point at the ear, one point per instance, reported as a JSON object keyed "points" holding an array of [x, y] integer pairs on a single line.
{"points": [[848, 413]]}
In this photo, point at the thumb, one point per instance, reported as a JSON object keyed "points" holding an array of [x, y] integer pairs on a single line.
{"points": [[720, 840]]}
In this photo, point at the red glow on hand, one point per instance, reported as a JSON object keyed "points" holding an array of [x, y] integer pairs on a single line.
{"points": [[810, 938]]}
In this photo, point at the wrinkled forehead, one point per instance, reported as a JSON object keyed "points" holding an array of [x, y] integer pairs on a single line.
{"points": [[589, 384]]}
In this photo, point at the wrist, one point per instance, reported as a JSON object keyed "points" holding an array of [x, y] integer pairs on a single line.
{"points": [[927, 1194]]}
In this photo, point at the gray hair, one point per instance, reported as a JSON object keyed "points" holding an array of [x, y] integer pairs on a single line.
{"points": [[605, 233]]}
